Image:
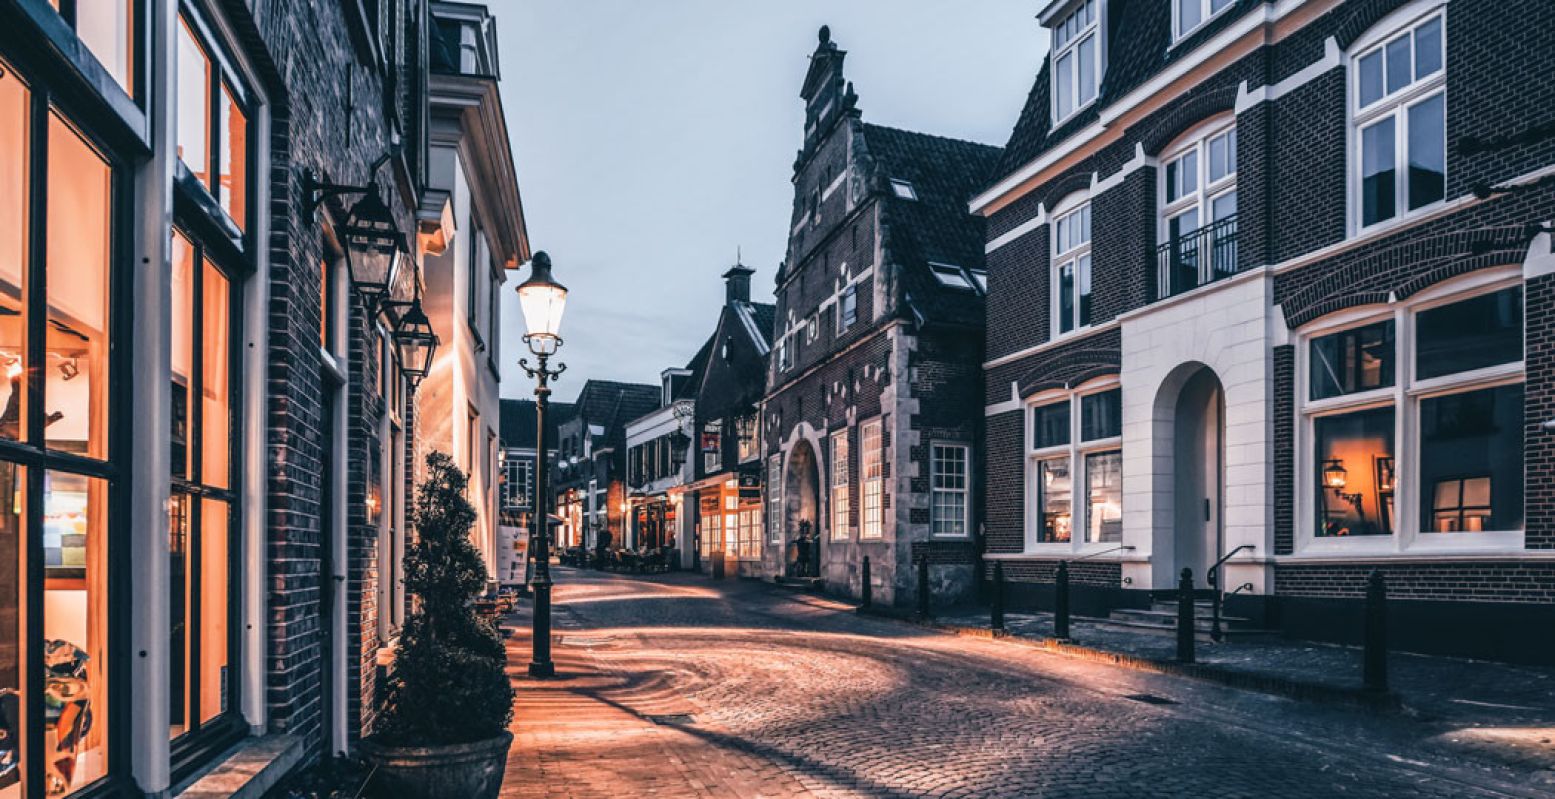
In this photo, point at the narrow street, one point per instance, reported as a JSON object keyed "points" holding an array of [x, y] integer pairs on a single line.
{"points": [[679, 686]]}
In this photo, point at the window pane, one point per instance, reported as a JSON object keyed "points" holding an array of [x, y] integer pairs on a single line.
{"points": [[15, 152], [1354, 460], [1479, 332], [1063, 78], [1101, 415], [233, 187], [214, 607], [107, 29], [1428, 48], [12, 584], [215, 381], [1189, 15], [1104, 497], [1471, 461], [1054, 492], [182, 352], [1190, 172], [1219, 158], [1378, 172], [1050, 425], [1354, 360], [1173, 185], [180, 522], [79, 256], [1223, 206], [1066, 297], [1371, 78], [1083, 264], [75, 627], [1216, 5], [1398, 64], [1427, 152], [1087, 50], [194, 103]]}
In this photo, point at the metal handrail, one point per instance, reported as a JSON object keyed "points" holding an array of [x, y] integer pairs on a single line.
{"points": [[1213, 578], [1101, 552], [1196, 258]]}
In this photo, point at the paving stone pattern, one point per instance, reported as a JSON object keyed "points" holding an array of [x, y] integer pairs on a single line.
{"points": [[680, 686]]}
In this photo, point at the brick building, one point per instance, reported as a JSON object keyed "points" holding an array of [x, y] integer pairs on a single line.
{"points": [[658, 467], [589, 482], [516, 489], [206, 426], [724, 495], [1263, 287], [870, 416]]}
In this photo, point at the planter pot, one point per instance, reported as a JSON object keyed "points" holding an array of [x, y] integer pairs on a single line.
{"points": [[468, 771]]}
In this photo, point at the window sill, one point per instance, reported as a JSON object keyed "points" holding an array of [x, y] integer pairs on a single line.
{"points": [[248, 770]]}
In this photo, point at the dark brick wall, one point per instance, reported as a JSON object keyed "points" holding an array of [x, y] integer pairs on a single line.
{"points": [[312, 128], [1524, 583], [1100, 574], [1538, 408], [1284, 423], [1004, 483]]}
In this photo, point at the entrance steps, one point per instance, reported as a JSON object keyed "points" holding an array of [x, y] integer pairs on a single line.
{"points": [[800, 583], [1162, 617]]}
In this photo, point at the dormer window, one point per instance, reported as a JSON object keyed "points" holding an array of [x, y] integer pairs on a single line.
{"points": [[903, 189], [1189, 15], [951, 276], [1077, 59]]}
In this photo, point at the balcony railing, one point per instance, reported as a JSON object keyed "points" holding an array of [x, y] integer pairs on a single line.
{"points": [[1196, 258]]}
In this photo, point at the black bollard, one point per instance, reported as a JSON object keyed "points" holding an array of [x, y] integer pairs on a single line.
{"points": [[996, 607], [1376, 652], [923, 586], [866, 590], [1185, 617], [1061, 602]]}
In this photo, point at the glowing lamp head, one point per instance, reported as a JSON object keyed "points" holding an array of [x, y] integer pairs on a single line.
{"points": [[373, 243], [543, 301], [1334, 474]]}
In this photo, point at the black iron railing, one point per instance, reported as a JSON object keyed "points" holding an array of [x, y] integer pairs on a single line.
{"points": [[1196, 258]]}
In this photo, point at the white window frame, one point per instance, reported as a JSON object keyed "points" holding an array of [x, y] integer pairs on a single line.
{"points": [[952, 276], [774, 489], [935, 448], [785, 357], [1089, 17], [1395, 105], [1075, 451], [1205, 192], [1077, 207], [847, 304], [903, 189], [1207, 12], [841, 457], [872, 475], [1404, 397]]}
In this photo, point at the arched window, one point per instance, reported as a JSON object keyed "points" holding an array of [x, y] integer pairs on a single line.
{"points": [[1071, 258], [1197, 225]]}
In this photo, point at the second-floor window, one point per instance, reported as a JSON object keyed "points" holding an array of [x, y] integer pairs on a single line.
{"points": [[1198, 209], [745, 436], [212, 125], [1190, 14], [1072, 270], [1077, 62], [847, 308], [1400, 124]]}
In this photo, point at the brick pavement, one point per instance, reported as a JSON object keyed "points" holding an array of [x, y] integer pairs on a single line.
{"points": [[677, 686]]}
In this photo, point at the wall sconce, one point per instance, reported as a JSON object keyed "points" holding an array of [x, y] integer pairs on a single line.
{"points": [[370, 236], [1335, 478]]}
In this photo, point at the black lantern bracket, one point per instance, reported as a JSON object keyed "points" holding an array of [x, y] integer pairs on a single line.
{"points": [[315, 191]]}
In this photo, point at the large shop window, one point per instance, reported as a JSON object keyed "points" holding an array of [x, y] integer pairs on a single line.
{"points": [[212, 123], [841, 524], [1400, 130], [1065, 440], [61, 546], [871, 471], [1072, 270], [201, 533], [1460, 409]]}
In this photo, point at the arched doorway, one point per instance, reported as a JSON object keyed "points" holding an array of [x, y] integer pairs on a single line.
{"points": [[1198, 481], [802, 512]]}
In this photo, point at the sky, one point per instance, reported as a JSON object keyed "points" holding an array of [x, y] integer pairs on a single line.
{"points": [[654, 141]]}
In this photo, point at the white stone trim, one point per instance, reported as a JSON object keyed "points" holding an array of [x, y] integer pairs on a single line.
{"points": [[1010, 405], [1068, 338], [1332, 59], [1018, 231]]}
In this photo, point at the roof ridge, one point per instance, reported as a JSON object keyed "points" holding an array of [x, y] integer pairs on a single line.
{"points": [[937, 136]]}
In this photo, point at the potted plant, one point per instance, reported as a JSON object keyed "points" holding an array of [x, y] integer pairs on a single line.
{"points": [[443, 731]]}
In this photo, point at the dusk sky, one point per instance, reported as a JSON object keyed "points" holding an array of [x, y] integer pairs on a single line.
{"points": [[654, 140]]}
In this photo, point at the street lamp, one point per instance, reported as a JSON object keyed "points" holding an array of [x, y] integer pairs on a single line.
{"points": [[543, 300], [415, 340], [372, 242]]}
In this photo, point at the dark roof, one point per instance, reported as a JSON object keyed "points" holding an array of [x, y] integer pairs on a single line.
{"points": [[937, 226], [610, 404], [518, 422], [765, 315]]}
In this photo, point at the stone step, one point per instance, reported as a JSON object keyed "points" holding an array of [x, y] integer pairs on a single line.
{"points": [[1201, 628], [1165, 616]]}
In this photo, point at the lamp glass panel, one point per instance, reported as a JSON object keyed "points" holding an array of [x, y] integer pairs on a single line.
{"points": [[543, 307]]}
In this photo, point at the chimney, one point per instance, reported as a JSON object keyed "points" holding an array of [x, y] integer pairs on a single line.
{"points": [[737, 284]]}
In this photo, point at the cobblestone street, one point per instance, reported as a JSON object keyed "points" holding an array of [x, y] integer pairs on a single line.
{"points": [[679, 686]]}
